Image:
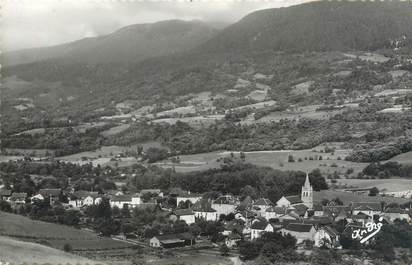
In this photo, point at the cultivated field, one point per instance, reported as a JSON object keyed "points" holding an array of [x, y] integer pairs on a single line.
{"points": [[387, 185], [275, 159], [348, 197]]}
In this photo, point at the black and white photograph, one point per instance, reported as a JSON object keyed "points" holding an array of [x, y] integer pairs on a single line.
{"points": [[206, 132]]}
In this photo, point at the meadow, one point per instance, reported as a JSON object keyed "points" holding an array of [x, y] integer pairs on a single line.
{"points": [[348, 197], [53, 235], [305, 160], [31, 253], [387, 185]]}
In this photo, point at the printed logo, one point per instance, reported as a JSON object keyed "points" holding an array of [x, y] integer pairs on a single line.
{"points": [[370, 230]]}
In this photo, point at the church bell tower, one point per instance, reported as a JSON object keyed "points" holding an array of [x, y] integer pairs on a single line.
{"points": [[307, 193]]}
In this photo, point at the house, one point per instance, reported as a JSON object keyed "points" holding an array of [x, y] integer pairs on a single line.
{"points": [[261, 205], [84, 198], [120, 201], [234, 226], [233, 240], [300, 231], [224, 205], [18, 198], [337, 212], [155, 192], [135, 200], [299, 209], [361, 218], [172, 240], [52, 195], [186, 215], [191, 197], [369, 208], [287, 201], [274, 212], [259, 227], [5, 194], [396, 213], [328, 237], [203, 210], [318, 210]]}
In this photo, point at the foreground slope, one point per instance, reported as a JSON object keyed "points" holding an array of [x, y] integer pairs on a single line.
{"points": [[18, 252]]}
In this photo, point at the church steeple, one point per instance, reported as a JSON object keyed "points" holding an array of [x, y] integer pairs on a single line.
{"points": [[307, 193]]}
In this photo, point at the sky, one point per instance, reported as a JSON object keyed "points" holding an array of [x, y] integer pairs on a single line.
{"points": [[38, 23]]}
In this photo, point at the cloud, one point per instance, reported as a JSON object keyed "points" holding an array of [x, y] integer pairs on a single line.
{"points": [[27, 23]]}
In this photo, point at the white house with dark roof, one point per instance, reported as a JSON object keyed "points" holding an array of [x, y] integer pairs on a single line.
{"points": [[261, 205], [396, 213], [259, 227], [224, 205], [18, 198], [274, 212], [120, 201], [188, 196], [287, 201], [203, 210], [369, 208], [84, 198], [300, 231], [186, 215]]}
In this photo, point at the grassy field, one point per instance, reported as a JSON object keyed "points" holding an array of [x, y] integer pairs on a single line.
{"points": [[115, 130], [347, 197], [405, 158], [18, 252], [53, 235], [275, 159], [387, 185], [104, 154]]}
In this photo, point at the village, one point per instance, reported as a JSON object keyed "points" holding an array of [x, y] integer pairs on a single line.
{"points": [[312, 224]]}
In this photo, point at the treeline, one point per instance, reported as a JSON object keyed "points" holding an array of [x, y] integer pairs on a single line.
{"points": [[388, 170], [63, 141], [378, 152], [236, 178], [16, 175]]}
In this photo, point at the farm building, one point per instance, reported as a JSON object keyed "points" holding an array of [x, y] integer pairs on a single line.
{"points": [[172, 240], [301, 232]]}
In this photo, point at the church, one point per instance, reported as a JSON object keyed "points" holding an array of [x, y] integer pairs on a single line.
{"points": [[306, 197]]}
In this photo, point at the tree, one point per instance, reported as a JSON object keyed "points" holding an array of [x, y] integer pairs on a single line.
{"points": [[224, 250], [67, 247], [373, 191], [291, 159], [71, 217]]}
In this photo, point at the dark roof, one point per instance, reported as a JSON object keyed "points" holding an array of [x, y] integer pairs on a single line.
{"points": [[360, 216], [180, 212], [234, 236], [149, 206], [5, 192], [224, 200], [50, 192], [180, 236], [331, 231], [300, 209], [153, 191], [176, 191], [317, 207], [121, 198], [203, 205], [17, 195], [81, 194], [259, 225], [294, 199], [278, 210], [366, 206], [190, 195], [395, 210], [263, 202], [296, 227]]}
